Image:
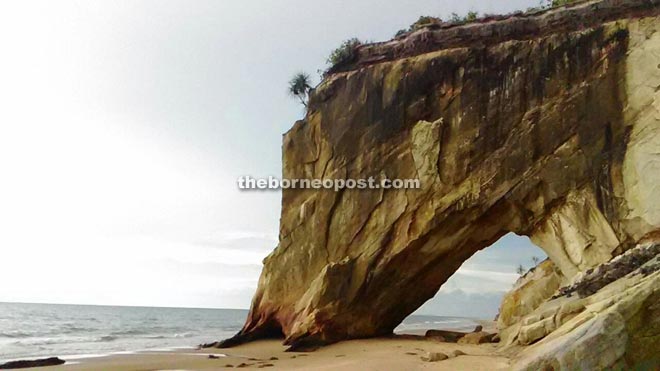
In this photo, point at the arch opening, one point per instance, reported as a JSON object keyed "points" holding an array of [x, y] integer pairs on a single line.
{"points": [[476, 291]]}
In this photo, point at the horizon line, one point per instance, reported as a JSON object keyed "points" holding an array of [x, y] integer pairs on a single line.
{"points": [[118, 305]]}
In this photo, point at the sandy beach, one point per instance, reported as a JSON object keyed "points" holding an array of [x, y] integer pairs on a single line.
{"points": [[164, 339], [404, 351], [395, 353]]}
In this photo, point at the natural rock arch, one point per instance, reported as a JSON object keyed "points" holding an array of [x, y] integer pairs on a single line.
{"points": [[543, 136], [477, 288]]}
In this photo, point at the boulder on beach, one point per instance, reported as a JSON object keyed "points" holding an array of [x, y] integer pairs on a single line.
{"points": [[480, 337], [52, 361], [456, 353], [445, 335], [434, 357]]}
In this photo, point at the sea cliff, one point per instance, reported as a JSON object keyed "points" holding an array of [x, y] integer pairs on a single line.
{"points": [[545, 125]]}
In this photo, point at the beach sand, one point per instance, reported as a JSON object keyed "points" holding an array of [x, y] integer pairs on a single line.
{"points": [[392, 353]]}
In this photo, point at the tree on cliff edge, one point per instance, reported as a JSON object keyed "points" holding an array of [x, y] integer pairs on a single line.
{"points": [[299, 87]]}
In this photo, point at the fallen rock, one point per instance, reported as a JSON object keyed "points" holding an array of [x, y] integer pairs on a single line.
{"points": [[52, 361], [434, 357], [445, 335], [213, 356], [479, 328], [456, 353], [480, 337]]}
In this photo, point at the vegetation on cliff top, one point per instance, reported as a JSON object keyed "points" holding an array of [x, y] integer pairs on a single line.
{"points": [[300, 84], [345, 53], [471, 16], [562, 2], [428, 21]]}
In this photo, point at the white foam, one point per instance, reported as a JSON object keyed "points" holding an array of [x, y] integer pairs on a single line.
{"points": [[83, 356]]}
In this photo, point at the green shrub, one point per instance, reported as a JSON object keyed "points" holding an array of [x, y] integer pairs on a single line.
{"points": [[423, 21], [344, 53], [562, 2], [401, 32], [471, 16]]}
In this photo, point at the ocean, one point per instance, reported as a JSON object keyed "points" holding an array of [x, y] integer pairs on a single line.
{"points": [[77, 331]]}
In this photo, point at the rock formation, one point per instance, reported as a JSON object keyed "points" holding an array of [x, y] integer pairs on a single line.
{"points": [[615, 327], [544, 125], [52, 361], [529, 293]]}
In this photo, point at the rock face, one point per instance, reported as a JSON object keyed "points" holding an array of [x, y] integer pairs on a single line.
{"points": [[617, 327], [509, 127], [529, 292]]}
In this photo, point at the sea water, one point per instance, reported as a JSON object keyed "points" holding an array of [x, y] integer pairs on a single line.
{"points": [[70, 331]]}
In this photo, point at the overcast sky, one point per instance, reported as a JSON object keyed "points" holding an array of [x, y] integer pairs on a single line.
{"points": [[125, 124]]}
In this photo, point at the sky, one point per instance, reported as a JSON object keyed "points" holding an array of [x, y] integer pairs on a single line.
{"points": [[124, 126]]}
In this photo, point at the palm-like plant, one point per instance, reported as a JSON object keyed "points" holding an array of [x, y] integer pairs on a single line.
{"points": [[299, 87]]}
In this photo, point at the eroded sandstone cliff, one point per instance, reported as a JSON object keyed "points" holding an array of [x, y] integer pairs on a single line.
{"points": [[545, 125]]}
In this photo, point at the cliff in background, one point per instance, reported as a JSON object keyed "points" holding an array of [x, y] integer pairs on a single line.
{"points": [[546, 126]]}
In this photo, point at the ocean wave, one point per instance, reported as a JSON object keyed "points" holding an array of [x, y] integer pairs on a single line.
{"points": [[34, 330], [154, 332], [64, 340], [15, 334], [172, 336], [71, 328], [66, 329], [43, 341], [131, 332]]}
